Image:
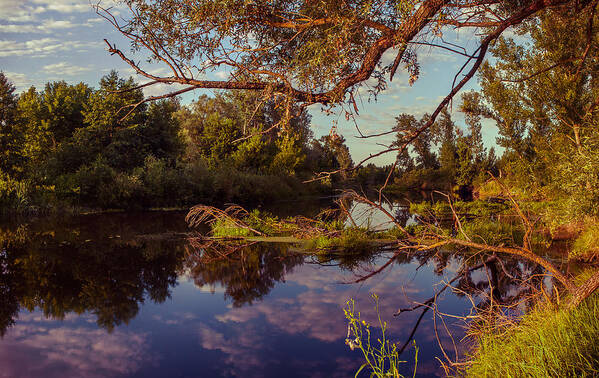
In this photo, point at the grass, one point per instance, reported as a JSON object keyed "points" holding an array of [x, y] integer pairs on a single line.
{"points": [[353, 240], [546, 343], [441, 209], [263, 222], [586, 245], [224, 228], [494, 232]]}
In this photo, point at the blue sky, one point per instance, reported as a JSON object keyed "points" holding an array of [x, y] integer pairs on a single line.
{"points": [[48, 40]]}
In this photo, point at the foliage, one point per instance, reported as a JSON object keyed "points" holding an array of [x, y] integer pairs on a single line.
{"points": [[383, 360], [586, 245], [541, 96], [352, 240], [461, 160], [11, 136], [442, 209], [70, 145], [546, 343]]}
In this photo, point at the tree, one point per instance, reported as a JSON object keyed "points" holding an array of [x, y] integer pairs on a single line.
{"points": [[406, 125], [448, 150], [11, 136], [543, 98], [50, 118], [105, 108], [246, 131], [311, 52], [330, 153]]}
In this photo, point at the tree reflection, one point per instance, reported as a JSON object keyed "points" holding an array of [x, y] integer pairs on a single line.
{"points": [[248, 274], [108, 278]]}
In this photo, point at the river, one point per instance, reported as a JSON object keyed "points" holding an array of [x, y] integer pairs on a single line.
{"points": [[125, 295]]}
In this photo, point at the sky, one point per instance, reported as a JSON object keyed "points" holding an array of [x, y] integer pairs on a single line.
{"points": [[51, 40]]}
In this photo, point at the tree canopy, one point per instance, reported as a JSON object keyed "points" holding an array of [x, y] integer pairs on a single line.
{"points": [[310, 51]]}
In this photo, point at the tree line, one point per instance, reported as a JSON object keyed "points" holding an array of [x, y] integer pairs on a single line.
{"points": [[70, 145]]}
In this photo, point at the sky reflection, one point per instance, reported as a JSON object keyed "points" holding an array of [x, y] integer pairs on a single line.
{"points": [[268, 312]]}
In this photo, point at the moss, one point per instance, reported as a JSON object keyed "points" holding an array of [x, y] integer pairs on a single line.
{"points": [[546, 343]]}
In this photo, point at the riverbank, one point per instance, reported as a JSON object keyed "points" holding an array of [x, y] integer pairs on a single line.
{"points": [[547, 342]]}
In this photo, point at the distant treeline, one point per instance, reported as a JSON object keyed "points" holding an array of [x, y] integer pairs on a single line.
{"points": [[443, 157], [74, 146]]}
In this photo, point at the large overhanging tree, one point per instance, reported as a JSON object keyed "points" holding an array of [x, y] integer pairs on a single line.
{"points": [[310, 51], [323, 52]]}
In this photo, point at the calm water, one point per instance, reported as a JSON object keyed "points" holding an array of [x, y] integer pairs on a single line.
{"points": [[119, 295]]}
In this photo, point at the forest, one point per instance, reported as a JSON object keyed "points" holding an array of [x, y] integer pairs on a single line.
{"points": [[66, 146], [524, 209]]}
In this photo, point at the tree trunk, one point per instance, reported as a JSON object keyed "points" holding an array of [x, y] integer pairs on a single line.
{"points": [[584, 291]]}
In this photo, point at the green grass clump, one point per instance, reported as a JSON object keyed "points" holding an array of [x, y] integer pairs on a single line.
{"points": [[353, 240], [268, 225], [392, 233], [493, 232], [263, 222], [586, 246], [442, 209], [546, 343], [227, 229]]}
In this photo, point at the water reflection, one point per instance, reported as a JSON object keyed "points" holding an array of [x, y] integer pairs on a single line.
{"points": [[107, 277], [247, 275], [130, 296], [35, 349]]}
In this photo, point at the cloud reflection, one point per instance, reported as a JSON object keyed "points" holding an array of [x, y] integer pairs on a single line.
{"points": [[69, 351], [243, 334]]}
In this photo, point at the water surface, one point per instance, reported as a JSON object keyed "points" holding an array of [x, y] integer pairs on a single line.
{"points": [[125, 295]]}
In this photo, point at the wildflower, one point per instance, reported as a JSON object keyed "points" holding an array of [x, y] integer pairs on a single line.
{"points": [[353, 344]]}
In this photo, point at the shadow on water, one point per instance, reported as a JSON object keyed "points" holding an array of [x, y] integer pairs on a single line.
{"points": [[129, 295]]}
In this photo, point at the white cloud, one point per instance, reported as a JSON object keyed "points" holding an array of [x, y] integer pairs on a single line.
{"points": [[222, 75], [52, 24], [47, 26], [63, 6], [19, 80], [15, 28], [65, 69], [31, 47], [16, 12], [41, 47], [162, 89]]}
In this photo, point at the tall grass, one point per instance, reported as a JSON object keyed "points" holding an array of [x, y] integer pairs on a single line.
{"points": [[546, 343], [586, 246]]}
